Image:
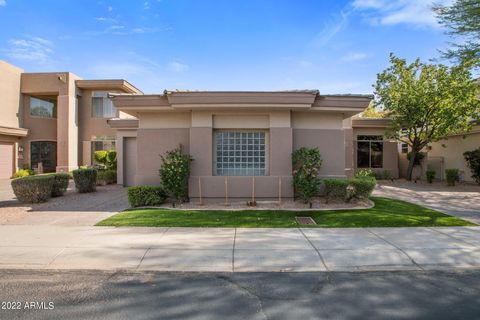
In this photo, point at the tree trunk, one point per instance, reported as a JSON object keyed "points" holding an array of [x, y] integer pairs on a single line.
{"points": [[411, 164]]}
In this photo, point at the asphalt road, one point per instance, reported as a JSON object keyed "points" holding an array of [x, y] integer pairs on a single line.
{"points": [[154, 295]]}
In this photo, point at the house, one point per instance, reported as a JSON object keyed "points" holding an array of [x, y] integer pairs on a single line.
{"points": [[54, 121], [235, 136]]}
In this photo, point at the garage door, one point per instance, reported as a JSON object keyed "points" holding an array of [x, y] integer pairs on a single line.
{"points": [[6, 160], [129, 161]]}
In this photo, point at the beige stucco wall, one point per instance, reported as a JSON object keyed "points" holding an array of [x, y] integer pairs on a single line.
{"points": [[390, 151], [10, 95], [452, 150]]}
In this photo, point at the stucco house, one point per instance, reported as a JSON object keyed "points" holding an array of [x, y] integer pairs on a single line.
{"points": [[234, 136]]}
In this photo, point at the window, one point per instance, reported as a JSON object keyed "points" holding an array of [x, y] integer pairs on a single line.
{"points": [[44, 152], [102, 106], [43, 108], [369, 152], [404, 148], [99, 145], [240, 153]]}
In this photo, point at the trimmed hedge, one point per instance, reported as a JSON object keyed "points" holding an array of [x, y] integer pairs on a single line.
{"points": [[106, 177], [85, 179], [141, 196], [33, 189], [347, 189], [60, 184]]}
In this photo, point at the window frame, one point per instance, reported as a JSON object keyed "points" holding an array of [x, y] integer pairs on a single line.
{"points": [[371, 139], [52, 101], [266, 150], [104, 96]]}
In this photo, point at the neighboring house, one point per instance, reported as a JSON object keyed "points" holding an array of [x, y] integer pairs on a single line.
{"points": [[234, 136], [444, 154], [54, 120]]}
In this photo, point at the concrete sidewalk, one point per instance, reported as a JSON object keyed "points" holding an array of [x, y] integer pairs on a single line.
{"points": [[238, 250]]}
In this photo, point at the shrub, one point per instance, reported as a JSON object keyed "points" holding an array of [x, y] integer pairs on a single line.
{"points": [[452, 175], [23, 173], [85, 179], [140, 196], [382, 175], [418, 159], [362, 187], [345, 190], [174, 174], [430, 174], [306, 163], [473, 162], [60, 184], [33, 189], [364, 173], [106, 177], [106, 159], [336, 189]]}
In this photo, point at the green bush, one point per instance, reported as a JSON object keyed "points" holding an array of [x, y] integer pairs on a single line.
{"points": [[365, 173], [141, 196], [430, 174], [347, 189], [452, 175], [382, 175], [106, 159], [473, 162], [362, 187], [23, 173], [33, 189], [335, 189], [306, 163], [60, 183], [85, 179], [174, 174], [106, 177]]}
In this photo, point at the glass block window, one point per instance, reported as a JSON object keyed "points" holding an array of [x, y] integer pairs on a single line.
{"points": [[102, 106], [240, 153]]}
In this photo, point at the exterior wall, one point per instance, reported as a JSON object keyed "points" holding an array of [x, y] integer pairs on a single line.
{"points": [[6, 139], [89, 127], [10, 92], [390, 151], [451, 151]]}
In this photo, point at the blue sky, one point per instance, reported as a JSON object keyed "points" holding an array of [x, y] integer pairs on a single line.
{"points": [[333, 46]]}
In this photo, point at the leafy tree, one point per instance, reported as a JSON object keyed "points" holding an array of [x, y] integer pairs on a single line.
{"points": [[462, 19], [174, 174], [473, 162], [426, 102], [372, 112], [306, 165]]}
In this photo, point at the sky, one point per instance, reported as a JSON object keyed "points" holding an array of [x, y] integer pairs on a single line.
{"points": [[334, 46]]}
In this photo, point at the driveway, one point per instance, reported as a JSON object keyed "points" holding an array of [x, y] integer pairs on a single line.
{"points": [[462, 200], [72, 209]]}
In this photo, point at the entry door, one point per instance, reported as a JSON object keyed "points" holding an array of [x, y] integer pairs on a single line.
{"points": [[129, 161], [6, 160]]}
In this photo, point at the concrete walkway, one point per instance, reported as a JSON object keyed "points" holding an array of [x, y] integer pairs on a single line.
{"points": [[462, 200], [238, 250]]}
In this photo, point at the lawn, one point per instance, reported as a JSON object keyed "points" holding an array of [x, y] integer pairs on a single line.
{"points": [[386, 213]]}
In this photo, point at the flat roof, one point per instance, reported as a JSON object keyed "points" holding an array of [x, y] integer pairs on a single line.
{"points": [[100, 84]]}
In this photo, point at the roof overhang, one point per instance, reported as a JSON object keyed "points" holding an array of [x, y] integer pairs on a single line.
{"points": [[16, 132], [123, 124], [371, 122], [113, 84], [308, 100]]}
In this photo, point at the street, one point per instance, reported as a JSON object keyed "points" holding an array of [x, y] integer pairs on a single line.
{"points": [[160, 295]]}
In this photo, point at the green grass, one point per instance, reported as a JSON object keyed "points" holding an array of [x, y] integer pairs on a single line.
{"points": [[386, 213]]}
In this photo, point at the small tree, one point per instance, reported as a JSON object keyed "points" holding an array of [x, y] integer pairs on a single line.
{"points": [[372, 112], [473, 162], [426, 102], [174, 174], [107, 159], [306, 165]]}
